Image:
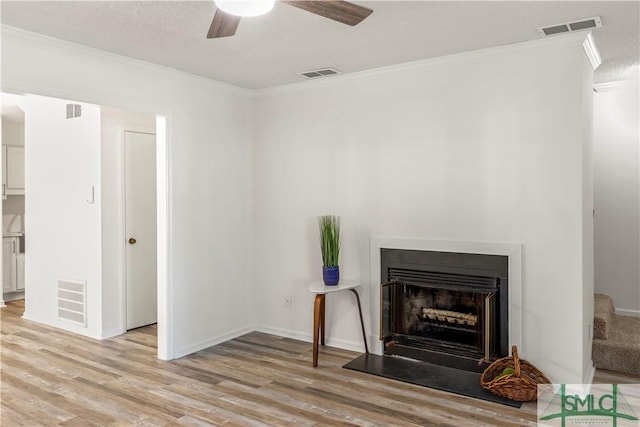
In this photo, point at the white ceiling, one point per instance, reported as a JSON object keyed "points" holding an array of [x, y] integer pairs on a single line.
{"points": [[270, 50]]}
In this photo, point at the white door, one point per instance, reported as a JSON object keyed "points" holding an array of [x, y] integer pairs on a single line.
{"points": [[140, 226]]}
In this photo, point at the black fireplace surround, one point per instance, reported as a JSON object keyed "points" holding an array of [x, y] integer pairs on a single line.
{"points": [[445, 308]]}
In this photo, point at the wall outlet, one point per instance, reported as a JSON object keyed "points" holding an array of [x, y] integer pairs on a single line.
{"points": [[287, 301]]}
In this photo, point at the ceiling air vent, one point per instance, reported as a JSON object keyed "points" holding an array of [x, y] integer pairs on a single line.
{"points": [[568, 27], [320, 73]]}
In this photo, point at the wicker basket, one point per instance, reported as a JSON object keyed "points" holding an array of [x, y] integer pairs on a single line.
{"points": [[521, 386]]}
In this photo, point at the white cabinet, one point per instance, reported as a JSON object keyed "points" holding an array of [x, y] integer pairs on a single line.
{"points": [[20, 272], [9, 264], [12, 265], [12, 170]]}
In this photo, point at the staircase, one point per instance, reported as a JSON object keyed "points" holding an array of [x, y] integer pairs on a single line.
{"points": [[616, 339]]}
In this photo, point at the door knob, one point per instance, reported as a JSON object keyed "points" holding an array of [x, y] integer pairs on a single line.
{"points": [[132, 241]]}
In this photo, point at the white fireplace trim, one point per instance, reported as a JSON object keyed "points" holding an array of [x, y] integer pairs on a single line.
{"points": [[511, 250]]}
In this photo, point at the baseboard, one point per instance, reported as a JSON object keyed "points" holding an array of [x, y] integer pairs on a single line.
{"points": [[112, 333], [62, 326], [591, 372], [212, 341], [627, 312], [356, 346], [12, 296], [284, 333]]}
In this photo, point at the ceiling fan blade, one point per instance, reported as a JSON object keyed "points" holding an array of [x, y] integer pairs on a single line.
{"points": [[338, 10], [223, 25]]}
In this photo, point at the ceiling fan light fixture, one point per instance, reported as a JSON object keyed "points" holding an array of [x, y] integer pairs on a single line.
{"points": [[245, 7]]}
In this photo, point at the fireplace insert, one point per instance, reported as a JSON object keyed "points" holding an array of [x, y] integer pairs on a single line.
{"points": [[445, 308]]}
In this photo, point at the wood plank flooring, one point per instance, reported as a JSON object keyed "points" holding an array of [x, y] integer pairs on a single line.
{"points": [[53, 378]]}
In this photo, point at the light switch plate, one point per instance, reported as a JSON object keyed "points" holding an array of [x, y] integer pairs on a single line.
{"points": [[89, 195]]}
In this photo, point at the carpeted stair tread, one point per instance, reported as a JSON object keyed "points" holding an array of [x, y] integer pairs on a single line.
{"points": [[603, 313], [621, 351]]}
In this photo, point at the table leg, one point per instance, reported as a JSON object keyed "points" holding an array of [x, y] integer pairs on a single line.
{"points": [[322, 319], [364, 335], [317, 310]]}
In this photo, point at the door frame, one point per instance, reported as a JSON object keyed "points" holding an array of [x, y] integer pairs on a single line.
{"points": [[123, 212], [165, 350]]}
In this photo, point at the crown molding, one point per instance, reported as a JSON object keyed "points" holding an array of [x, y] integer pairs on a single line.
{"points": [[41, 41], [607, 87], [591, 51], [576, 39]]}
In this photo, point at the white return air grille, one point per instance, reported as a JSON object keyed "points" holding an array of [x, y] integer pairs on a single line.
{"points": [[567, 27], [323, 72], [72, 301]]}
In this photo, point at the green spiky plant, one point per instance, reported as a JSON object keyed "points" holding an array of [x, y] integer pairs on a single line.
{"points": [[329, 226]]}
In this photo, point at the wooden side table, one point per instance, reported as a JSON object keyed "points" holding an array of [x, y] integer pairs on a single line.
{"points": [[321, 291]]}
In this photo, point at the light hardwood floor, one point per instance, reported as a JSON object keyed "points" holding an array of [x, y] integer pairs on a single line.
{"points": [[51, 377]]}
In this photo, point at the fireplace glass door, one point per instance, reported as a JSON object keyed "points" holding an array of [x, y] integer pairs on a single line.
{"points": [[439, 317]]}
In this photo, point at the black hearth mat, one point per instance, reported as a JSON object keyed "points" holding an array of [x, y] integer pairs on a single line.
{"points": [[427, 375]]}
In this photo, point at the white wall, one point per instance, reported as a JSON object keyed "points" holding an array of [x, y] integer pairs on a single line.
{"points": [[12, 132], [617, 190], [113, 124], [486, 146], [13, 205], [62, 159], [209, 289], [587, 249], [483, 147]]}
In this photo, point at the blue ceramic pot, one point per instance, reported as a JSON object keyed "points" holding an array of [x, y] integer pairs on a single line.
{"points": [[331, 275]]}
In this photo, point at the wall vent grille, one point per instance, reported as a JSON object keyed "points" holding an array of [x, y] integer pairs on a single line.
{"points": [[567, 27], [74, 110], [72, 301], [323, 72]]}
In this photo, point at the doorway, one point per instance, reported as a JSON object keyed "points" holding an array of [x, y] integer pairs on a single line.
{"points": [[95, 185], [129, 219], [140, 229], [13, 196]]}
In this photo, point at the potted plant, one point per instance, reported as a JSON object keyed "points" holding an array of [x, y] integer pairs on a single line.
{"points": [[329, 227]]}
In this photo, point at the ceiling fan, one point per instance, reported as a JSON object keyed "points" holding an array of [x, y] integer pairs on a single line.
{"points": [[227, 17]]}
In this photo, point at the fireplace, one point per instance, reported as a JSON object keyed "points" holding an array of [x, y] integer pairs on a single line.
{"points": [[445, 308]]}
